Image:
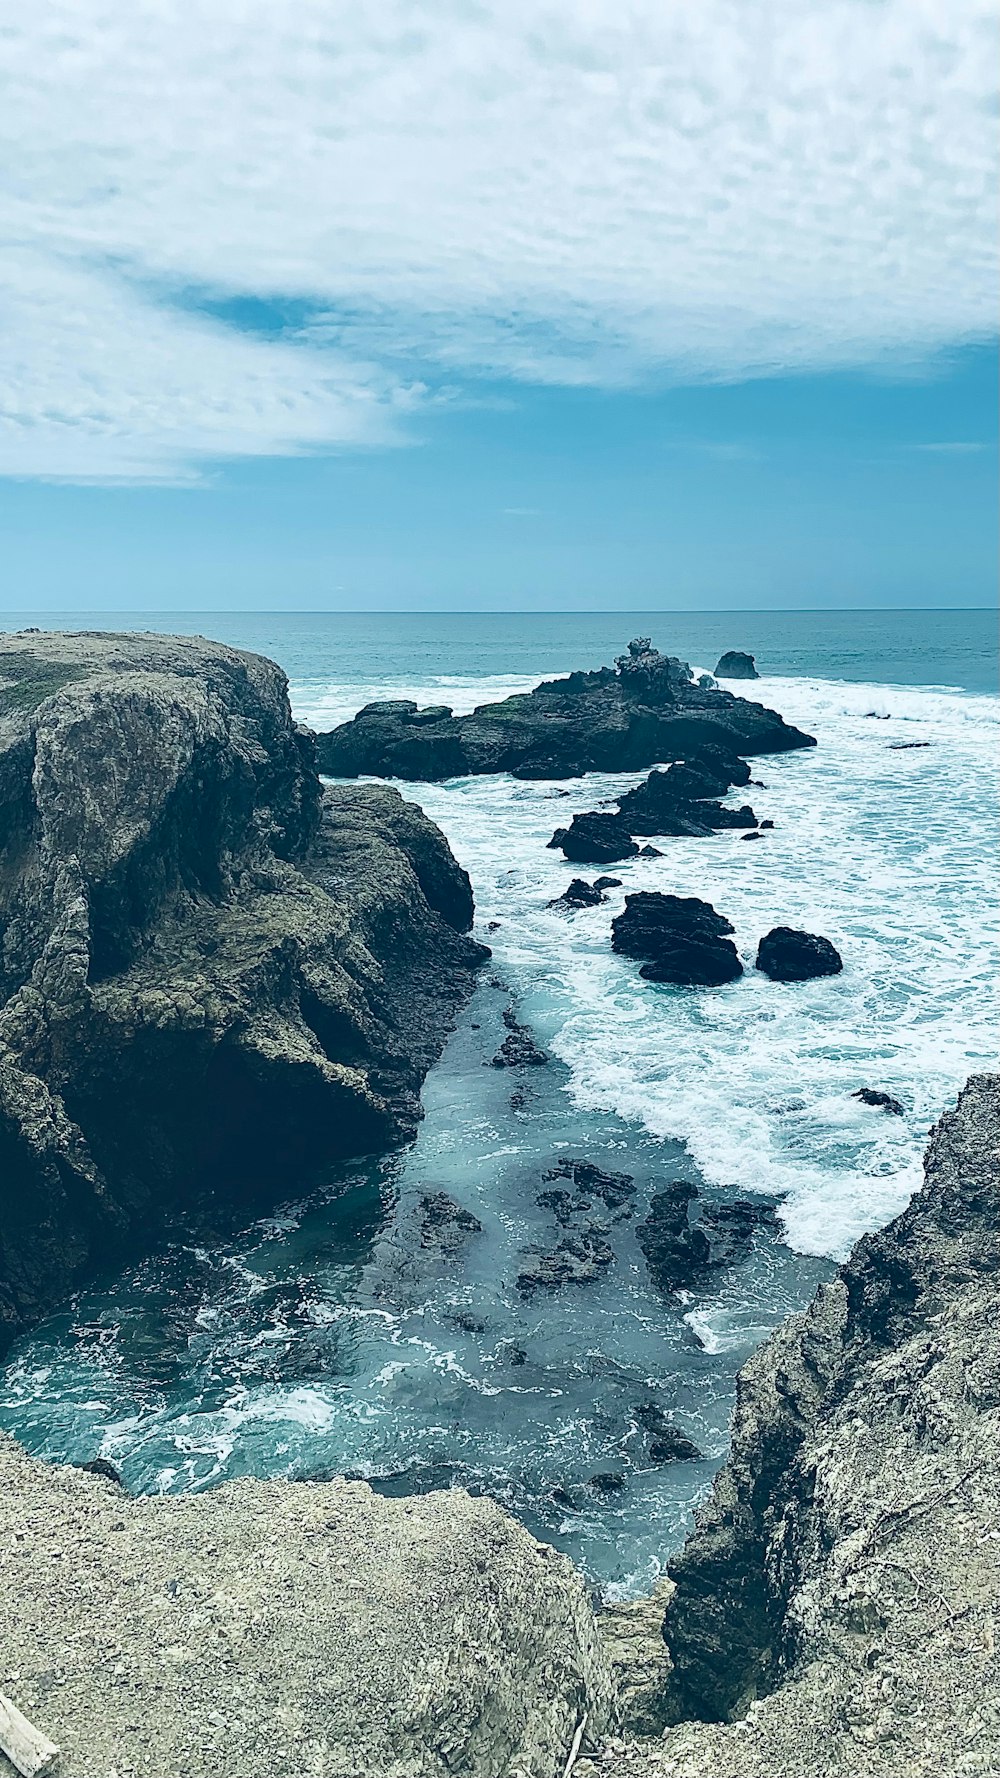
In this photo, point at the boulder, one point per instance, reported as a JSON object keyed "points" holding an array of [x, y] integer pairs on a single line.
{"points": [[519, 1049], [645, 709], [579, 895], [595, 839], [736, 665], [578, 1259], [445, 1226], [786, 955], [678, 939]]}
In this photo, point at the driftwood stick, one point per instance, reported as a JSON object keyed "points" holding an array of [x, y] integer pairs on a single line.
{"points": [[575, 1749], [28, 1750]]}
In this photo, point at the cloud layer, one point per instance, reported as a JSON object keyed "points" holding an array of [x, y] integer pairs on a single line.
{"points": [[565, 191]]}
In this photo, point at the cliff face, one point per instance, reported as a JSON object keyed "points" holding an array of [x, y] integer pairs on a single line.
{"points": [[646, 709], [195, 1003], [846, 1571]]}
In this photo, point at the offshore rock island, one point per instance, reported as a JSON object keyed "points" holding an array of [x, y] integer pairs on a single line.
{"points": [[218, 977]]}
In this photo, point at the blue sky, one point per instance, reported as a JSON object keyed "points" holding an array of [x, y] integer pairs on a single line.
{"points": [[522, 306]]}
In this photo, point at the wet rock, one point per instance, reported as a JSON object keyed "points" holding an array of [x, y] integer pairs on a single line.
{"points": [[607, 882], [883, 1101], [734, 664], [766, 824], [519, 1049], [648, 708], [731, 1228], [678, 939], [671, 1446], [682, 801], [564, 1205], [650, 852], [594, 838], [445, 1226], [906, 746], [607, 1481], [579, 895], [614, 1189], [756, 835], [578, 1259], [786, 955], [107, 1471], [562, 1497], [676, 1252]]}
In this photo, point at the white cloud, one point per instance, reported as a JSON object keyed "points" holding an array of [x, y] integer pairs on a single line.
{"points": [[579, 191]]}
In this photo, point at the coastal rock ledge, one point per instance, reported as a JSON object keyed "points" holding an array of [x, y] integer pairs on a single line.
{"points": [[215, 977]]}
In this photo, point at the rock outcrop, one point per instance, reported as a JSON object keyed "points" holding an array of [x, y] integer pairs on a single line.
{"points": [[213, 977], [786, 955], [678, 938], [845, 1572], [645, 709], [270, 1628], [734, 664]]}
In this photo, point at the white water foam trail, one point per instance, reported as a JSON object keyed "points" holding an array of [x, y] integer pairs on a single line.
{"points": [[889, 853]]}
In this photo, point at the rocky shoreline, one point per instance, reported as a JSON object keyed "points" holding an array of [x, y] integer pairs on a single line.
{"points": [[217, 978]]}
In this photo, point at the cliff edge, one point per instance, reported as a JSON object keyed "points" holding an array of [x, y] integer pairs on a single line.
{"points": [[215, 978], [834, 1610]]}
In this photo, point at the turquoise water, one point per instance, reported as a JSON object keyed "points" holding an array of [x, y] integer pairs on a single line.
{"points": [[326, 1338]]}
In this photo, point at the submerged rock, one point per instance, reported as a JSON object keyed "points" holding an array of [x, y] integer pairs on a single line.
{"points": [[736, 665], [645, 709], [578, 1259], [214, 978], [445, 1226], [883, 1101], [595, 839], [790, 956], [731, 1228], [679, 939], [614, 1189], [519, 1049], [579, 895]]}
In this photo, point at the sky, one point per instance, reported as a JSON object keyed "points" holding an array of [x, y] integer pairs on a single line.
{"points": [[568, 303]]}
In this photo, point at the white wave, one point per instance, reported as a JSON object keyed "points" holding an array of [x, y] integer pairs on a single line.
{"points": [[324, 706], [887, 852]]}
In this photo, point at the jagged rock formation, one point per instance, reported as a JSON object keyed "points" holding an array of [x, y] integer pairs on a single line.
{"points": [[194, 998], [679, 939], [271, 1628], [846, 1571], [734, 664], [595, 838], [789, 956], [647, 708]]}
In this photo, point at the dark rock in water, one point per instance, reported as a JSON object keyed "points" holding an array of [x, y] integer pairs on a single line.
{"points": [[681, 802], [647, 708], [883, 1101], [595, 839], [563, 1204], [515, 1355], [216, 978], [562, 1497], [676, 1252], [736, 665], [765, 824], [578, 1259], [789, 956], [673, 1447], [519, 1049], [906, 746], [607, 1481], [579, 895], [614, 1189], [650, 852], [444, 1225], [755, 835], [730, 1228], [607, 882], [107, 1471], [680, 939], [667, 1443]]}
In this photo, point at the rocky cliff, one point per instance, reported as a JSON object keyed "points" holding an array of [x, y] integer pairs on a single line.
{"points": [[214, 978], [647, 708], [835, 1609]]}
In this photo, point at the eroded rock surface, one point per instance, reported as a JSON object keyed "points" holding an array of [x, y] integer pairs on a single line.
{"points": [[786, 955], [845, 1573], [213, 977], [626, 718], [270, 1628], [678, 938], [734, 664]]}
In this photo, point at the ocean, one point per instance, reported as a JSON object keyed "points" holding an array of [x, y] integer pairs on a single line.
{"points": [[310, 1343]]}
